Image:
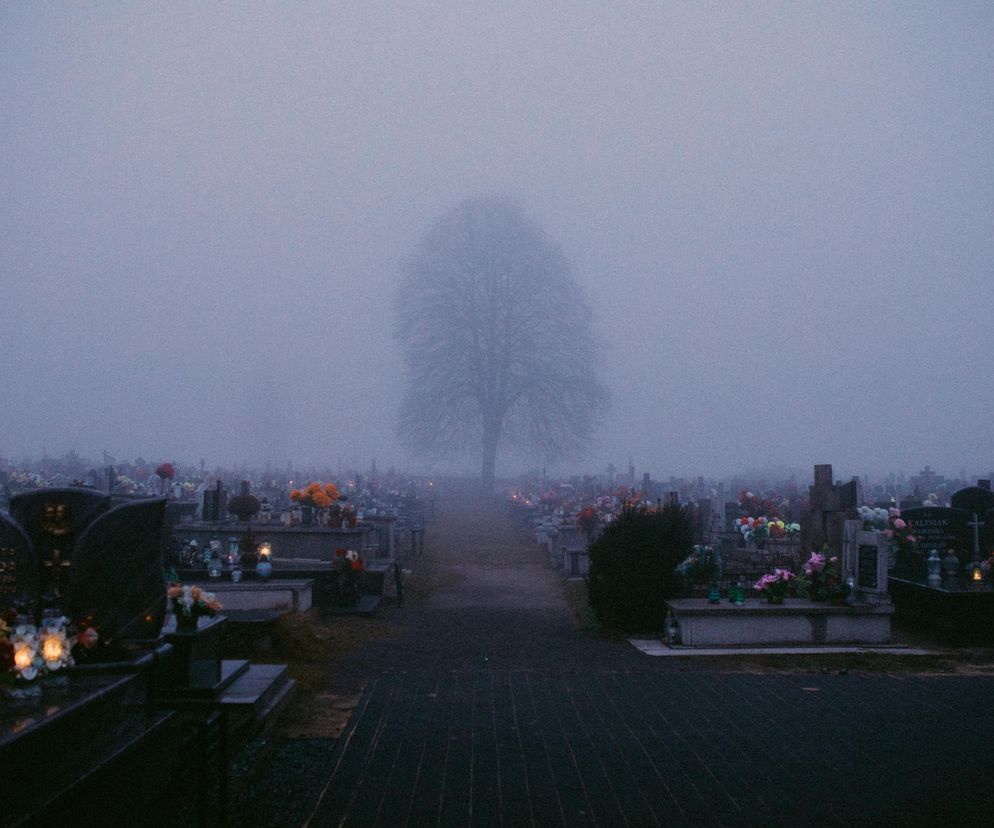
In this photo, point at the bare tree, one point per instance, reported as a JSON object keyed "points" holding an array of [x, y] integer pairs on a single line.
{"points": [[497, 339]]}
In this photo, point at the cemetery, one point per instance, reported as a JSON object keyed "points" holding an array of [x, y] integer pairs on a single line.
{"points": [[123, 669]]}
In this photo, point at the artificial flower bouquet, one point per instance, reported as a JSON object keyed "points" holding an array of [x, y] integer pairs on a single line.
{"points": [[776, 585], [190, 603]]}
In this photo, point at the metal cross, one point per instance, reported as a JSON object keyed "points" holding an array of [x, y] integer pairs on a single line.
{"points": [[55, 565], [976, 524]]}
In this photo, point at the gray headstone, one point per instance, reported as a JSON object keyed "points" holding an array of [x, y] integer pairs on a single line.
{"points": [[19, 577], [117, 572]]}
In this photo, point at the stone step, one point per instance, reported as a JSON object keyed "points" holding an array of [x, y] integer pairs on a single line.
{"points": [[254, 701]]}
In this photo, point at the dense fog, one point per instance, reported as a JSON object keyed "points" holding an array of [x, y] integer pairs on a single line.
{"points": [[782, 216]]}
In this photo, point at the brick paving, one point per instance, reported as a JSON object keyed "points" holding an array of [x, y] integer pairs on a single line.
{"points": [[631, 740], [493, 709]]}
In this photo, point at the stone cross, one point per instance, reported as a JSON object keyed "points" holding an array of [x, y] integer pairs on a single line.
{"points": [[55, 565], [976, 523]]}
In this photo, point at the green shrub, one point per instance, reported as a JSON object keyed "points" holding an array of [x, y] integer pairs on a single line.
{"points": [[633, 567]]}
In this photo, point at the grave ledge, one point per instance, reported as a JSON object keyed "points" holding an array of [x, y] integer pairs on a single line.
{"points": [[282, 595], [796, 621]]}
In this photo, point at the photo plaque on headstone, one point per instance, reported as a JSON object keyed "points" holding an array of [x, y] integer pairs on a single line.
{"points": [[867, 561]]}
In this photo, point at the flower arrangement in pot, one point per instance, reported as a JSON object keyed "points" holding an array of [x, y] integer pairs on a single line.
{"points": [[781, 530], [822, 579], [899, 532], [587, 520], [316, 495], [190, 603], [776, 585], [874, 520], [165, 472], [348, 581], [347, 517], [754, 530], [701, 567]]}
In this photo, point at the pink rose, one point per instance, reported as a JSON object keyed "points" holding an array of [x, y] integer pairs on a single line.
{"points": [[888, 534], [910, 539], [899, 524]]}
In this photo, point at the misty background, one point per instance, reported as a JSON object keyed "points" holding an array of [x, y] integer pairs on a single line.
{"points": [[781, 214]]}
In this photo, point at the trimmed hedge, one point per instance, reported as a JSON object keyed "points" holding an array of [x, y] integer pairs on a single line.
{"points": [[633, 567]]}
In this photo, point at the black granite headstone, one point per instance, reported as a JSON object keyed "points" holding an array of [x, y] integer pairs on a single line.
{"points": [[938, 527], [973, 499], [19, 577], [117, 575], [54, 519], [979, 501]]}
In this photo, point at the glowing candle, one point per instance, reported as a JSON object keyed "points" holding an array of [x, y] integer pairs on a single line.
{"points": [[23, 657], [51, 648]]}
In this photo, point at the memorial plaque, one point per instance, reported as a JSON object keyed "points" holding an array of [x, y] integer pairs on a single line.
{"points": [[937, 527], [867, 561], [865, 555]]}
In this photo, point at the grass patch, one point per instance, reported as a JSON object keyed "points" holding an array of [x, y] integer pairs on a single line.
{"points": [[576, 597], [306, 642]]}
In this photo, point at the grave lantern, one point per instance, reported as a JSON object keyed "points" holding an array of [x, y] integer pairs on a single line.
{"points": [[264, 568], [52, 648], [24, 656], [976, 573]]}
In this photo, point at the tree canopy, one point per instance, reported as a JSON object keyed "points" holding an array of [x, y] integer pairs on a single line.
{"points": [[497, 339]]}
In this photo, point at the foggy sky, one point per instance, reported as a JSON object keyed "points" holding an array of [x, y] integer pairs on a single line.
{"points": [[782, 214]]}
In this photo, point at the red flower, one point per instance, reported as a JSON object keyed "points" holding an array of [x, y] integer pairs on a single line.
{"points": [[165, 471], [357, 565], [341, 552]]}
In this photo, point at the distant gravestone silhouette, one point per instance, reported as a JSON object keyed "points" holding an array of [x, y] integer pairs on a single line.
{"points": [[117, 577]]}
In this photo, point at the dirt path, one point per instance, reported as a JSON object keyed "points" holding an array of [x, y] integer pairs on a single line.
{"points": [[484, 560]]}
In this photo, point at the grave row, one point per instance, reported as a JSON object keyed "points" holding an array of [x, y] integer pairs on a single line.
{"points": [[150, 705]]}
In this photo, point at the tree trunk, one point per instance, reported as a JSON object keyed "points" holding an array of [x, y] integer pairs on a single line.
{"points": [[490, 439]]}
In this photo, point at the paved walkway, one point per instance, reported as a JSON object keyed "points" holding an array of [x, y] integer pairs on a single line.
{"points": [[534, 748], [494, 709]]}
